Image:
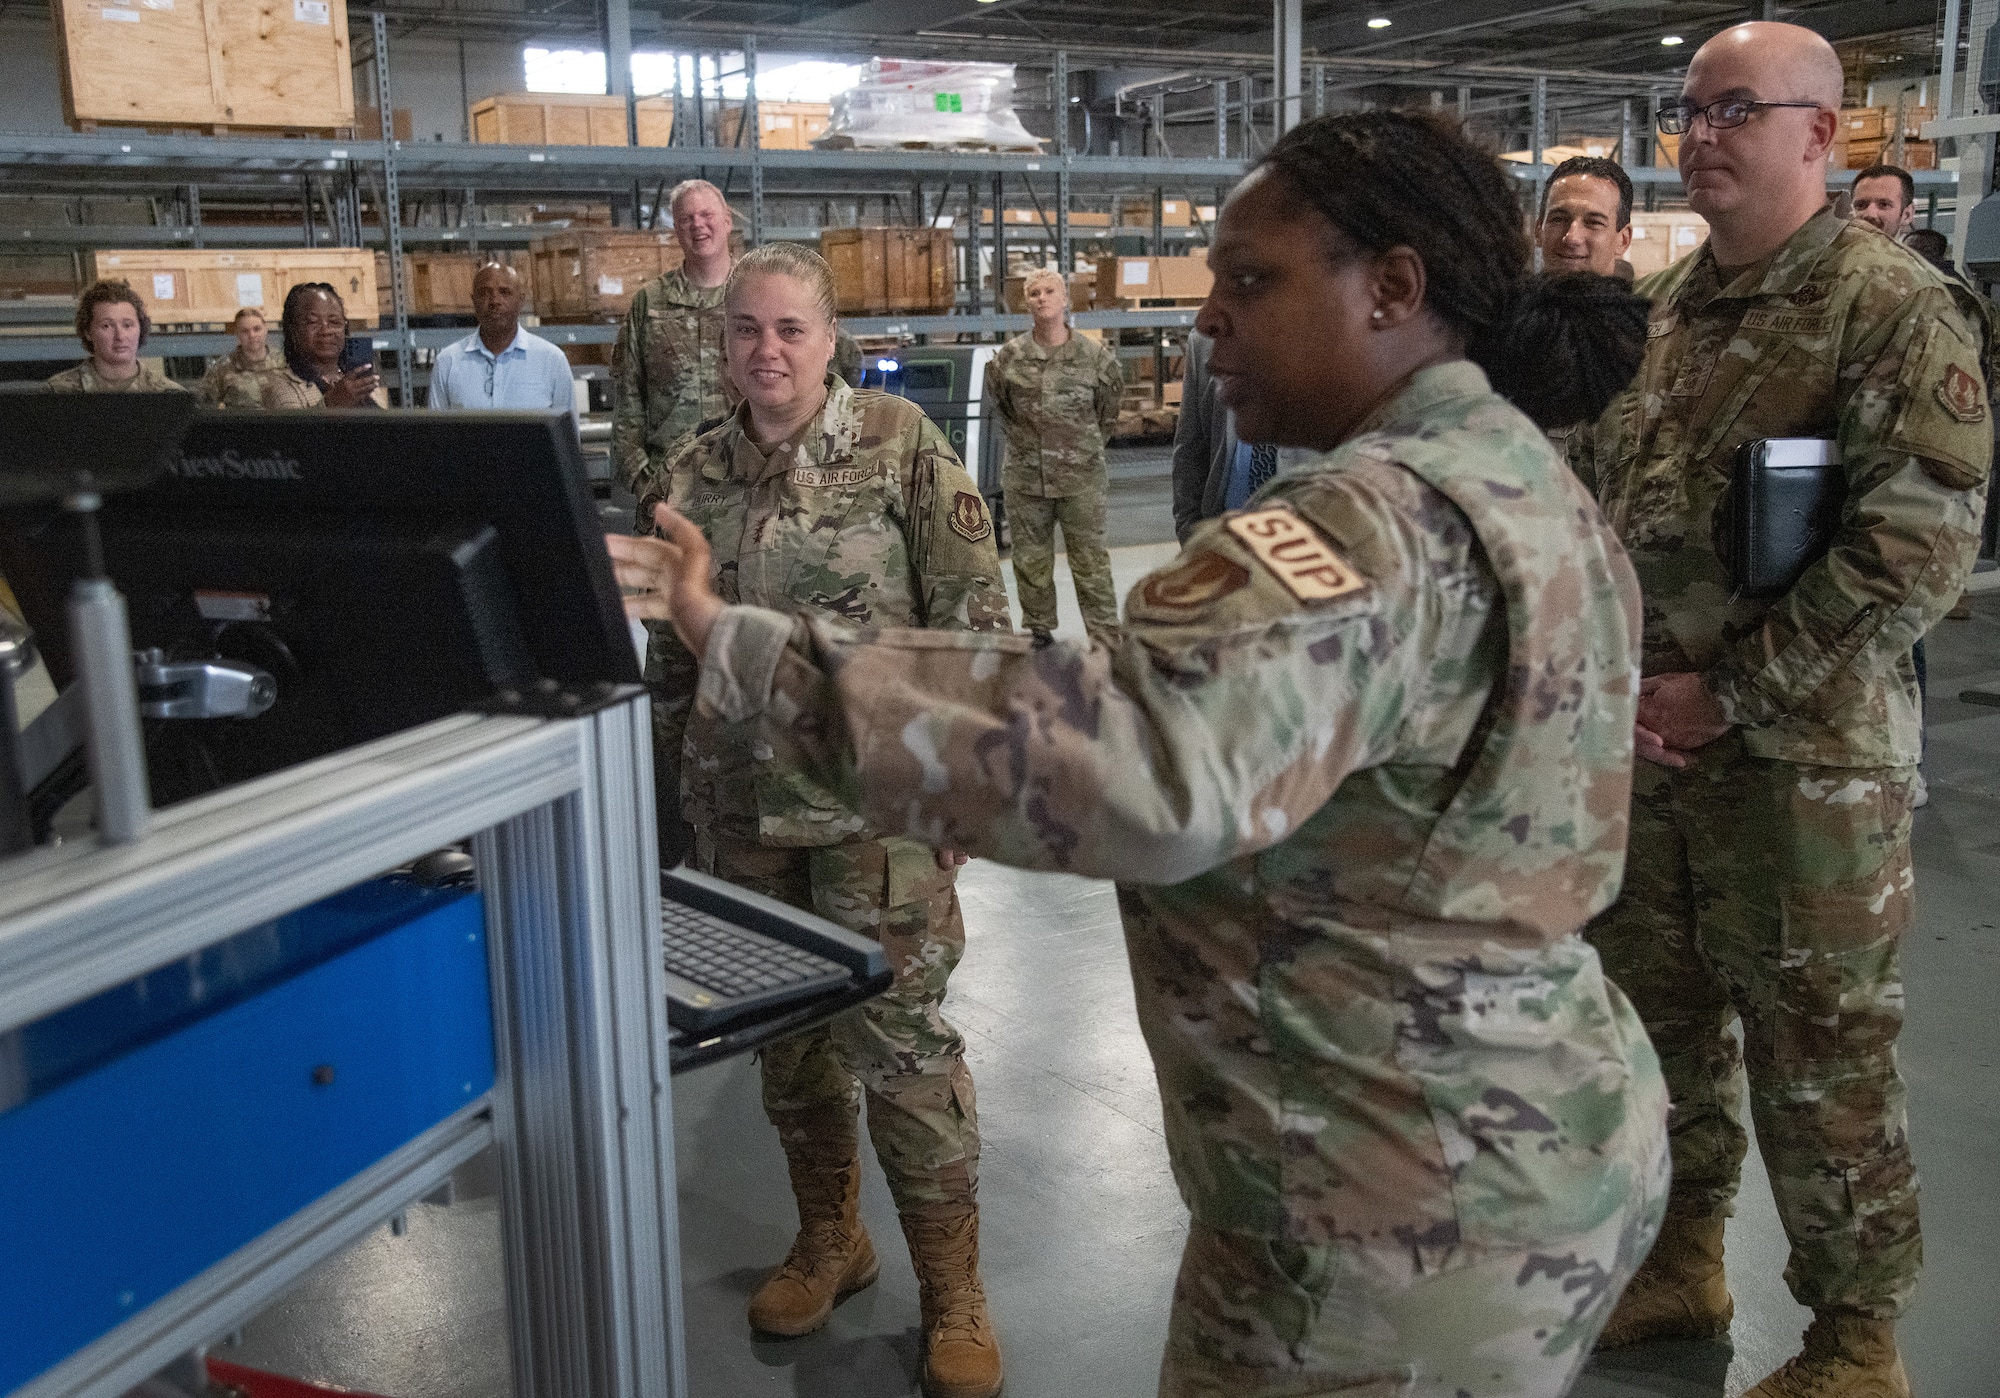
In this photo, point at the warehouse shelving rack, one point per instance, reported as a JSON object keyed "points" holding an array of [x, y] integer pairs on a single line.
{"points": [[287, 167], [560, 813]]}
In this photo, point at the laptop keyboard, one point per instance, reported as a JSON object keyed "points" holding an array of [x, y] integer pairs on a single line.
{"points": [[729, 970]]}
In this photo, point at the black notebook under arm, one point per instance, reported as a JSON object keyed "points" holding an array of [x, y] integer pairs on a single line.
{"points": [[1780, 513]]}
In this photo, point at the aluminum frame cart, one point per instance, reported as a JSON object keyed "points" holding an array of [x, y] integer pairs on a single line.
{"points": [[562, 819]]}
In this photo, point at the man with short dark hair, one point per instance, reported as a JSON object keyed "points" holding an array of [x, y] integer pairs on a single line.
{"points": [[1885, 197], [1586, 219]]}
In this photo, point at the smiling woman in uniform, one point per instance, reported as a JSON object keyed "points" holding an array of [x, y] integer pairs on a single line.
{"points": [[849, 505]]}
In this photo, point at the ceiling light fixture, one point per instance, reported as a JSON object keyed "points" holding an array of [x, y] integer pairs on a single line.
{"points": [[1379, 23], [1672, 41]]}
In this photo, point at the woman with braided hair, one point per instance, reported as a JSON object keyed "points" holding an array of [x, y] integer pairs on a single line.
{"points": [[315, 374], [1360, 762]]}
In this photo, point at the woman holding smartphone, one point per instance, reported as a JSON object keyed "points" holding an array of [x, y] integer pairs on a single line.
{"points": [[318, 373]]}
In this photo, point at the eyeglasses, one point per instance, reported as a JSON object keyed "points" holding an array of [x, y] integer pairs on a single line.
{"points": [[1677, 117]]}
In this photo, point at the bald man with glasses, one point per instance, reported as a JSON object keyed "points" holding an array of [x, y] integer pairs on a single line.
{"points": [[1768, 877]]}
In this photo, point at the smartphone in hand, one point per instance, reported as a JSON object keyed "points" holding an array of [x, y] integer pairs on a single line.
{"points": [[357, 353]]}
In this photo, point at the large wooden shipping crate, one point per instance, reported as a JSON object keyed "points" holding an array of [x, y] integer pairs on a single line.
{"points": [[891, 271], [183, 286], [1661, 239], [440, 283], [567, 119], [205, 63], [593, 274], [780, 125]]}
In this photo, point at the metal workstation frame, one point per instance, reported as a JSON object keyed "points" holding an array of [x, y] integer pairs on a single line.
{"points": [[560, 812]]}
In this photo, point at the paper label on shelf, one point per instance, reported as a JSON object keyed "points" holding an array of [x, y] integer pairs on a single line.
{"points": [[122, 16], [610, 286], [312, 11], [1137, 272], [249, 289], [163, 286]]}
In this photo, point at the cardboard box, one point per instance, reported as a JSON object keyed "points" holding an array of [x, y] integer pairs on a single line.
{"points": [[891, 271], [780, 125], [1174, 213], [567, 119], [592, 274], [235, 65], [368, 124], [1122, 280], [1030, 218], [1661, 239], [186, 286]]}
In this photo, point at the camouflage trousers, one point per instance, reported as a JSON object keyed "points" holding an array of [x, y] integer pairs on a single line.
{"points": [[1263, 1318], [1032, 519], [1779, 894], [897, 1050]]}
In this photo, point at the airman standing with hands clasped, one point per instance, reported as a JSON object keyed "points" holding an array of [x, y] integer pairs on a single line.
{"points": [[1770, 876]]}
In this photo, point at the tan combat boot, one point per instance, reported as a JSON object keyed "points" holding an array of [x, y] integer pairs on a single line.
{"points": [[961, 1352], [832, 1256], [1679, 1292], [1846, 1356]]}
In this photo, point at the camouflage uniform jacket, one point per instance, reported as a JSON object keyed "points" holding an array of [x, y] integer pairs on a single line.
{"points": [[668, 369], [1056, 406], [84, 379], [1376, 732], [1840, 334], [867, 517], [285, 390], [231, 382]]}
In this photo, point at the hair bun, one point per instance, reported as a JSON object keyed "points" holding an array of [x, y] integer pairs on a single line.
{"points": [[1567, 347]]}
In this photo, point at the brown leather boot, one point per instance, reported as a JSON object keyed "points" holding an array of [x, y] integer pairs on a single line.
{"points": [[1679, 1292], [1846, 1356], [961, 1352], [832, 1255]]}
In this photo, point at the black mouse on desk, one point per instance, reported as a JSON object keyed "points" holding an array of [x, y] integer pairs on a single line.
{"points": [[445, 868]]}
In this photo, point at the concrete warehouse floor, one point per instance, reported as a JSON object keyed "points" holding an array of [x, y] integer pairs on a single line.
{"points": [[1082, 1225]]}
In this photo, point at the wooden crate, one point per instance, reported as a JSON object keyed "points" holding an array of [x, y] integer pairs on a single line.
{"points": [[1174, 213], [1661, 239], [567, 119], [890, 271], [440, 283], [183, 286], [593, 274], [1920, 155], [1862, 123], [256, 64], [780, 125]]}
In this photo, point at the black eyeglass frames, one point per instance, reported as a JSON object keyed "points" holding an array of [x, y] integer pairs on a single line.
{"points": [[1677, 117]]}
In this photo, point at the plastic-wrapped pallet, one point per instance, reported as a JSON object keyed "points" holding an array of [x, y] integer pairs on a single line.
{"points": [[905, 102]]}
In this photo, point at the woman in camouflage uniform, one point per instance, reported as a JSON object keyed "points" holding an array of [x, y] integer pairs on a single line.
{"points": [[849, 505], [112, 322], [237, 379], [313, 333], [1362, 762], [1056, 394]]}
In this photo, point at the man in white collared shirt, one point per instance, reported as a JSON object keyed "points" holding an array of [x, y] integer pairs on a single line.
{"points": [[500, 365]]}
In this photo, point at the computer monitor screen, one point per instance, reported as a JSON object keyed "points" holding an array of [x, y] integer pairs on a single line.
{"points": [[386, 568]]}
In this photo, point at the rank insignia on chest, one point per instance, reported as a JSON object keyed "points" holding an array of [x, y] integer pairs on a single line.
{"points": [[1962, 396], [968, 517], [1193, 582], [1810, 294], [1296, 555]]}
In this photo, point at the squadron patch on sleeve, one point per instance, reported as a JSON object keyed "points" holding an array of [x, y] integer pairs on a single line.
{"points": [[1962, 396], [968, 517], [1296, 554], [1192, 582]]}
